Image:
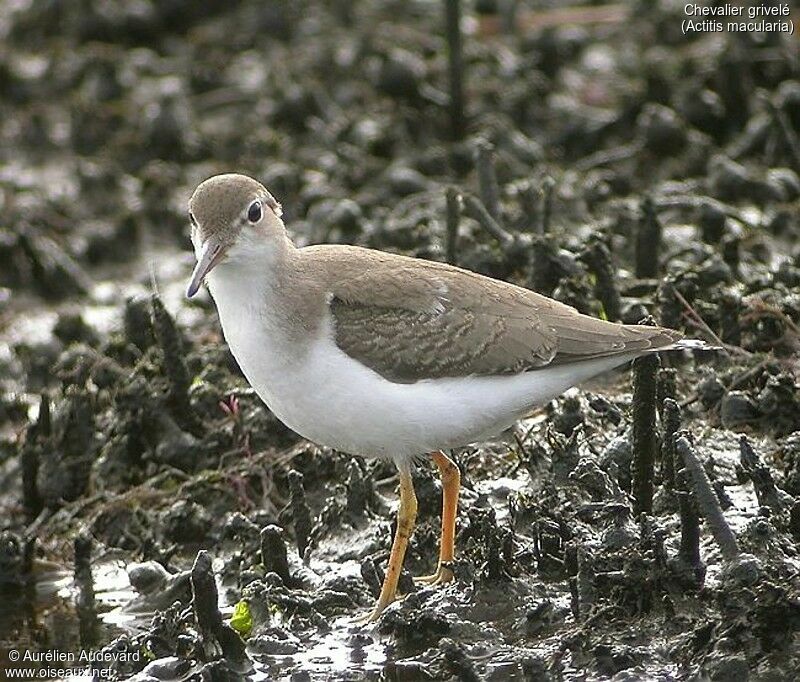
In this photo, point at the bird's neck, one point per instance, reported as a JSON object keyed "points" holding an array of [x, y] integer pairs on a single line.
{"points": [[262, 301]]}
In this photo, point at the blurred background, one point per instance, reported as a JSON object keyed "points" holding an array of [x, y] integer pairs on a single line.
{"points": [[592, 151]]}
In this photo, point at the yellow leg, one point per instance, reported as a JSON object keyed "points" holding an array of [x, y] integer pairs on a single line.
{"points": [[406, 516], [451, 482]]}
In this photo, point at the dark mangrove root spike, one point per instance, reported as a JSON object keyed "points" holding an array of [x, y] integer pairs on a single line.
{"points": [[671, 417], [273, 553], [455, 67], [648, 240], [487, 179], [707, 501], [645, 370], [301, 513], [689, 549], [548, 186], [598, 257], [453, 201]]}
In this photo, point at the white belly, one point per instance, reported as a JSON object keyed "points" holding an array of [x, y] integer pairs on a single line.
{"points": [[333, 400], [329, 398]]}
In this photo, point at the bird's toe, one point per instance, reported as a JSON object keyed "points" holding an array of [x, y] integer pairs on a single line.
{"points": [[443, 575]]}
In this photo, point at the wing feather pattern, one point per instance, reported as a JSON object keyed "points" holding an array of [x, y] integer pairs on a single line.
{"points": [[411, 320]]}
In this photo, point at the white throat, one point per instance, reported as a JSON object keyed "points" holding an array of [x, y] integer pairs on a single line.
{"points": [[247, 286]]}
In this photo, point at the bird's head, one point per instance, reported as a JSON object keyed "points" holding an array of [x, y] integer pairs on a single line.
{"points": [[233, 219]]}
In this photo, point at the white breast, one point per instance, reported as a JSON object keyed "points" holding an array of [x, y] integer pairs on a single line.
{"points": [[331, 399]]}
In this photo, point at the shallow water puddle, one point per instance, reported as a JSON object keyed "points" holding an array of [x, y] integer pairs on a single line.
{"points": [[333, 652]]}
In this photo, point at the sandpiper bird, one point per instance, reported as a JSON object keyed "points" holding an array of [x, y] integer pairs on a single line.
{"points": [[382, 355]]}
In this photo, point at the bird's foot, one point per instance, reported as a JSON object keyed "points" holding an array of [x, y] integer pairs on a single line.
{"points": [[369, 618], [443, 575], [375, 613]]}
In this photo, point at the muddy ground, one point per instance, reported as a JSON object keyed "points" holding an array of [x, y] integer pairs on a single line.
{"points": [[601, 157]]}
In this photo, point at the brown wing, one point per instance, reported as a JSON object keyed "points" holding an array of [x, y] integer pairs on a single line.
{"points": [[409, 345], [411, 320]]}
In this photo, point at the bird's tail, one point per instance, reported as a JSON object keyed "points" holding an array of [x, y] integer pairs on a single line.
{"points": [[689, 344]]}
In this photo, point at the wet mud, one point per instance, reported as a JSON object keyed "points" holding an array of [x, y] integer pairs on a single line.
{"points": [[643, 526]]}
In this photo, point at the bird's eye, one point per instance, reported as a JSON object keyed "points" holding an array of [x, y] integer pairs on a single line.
{"points": [[192, 219], [254, 212]]}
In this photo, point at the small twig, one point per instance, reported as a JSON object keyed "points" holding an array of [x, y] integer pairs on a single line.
{"points": [[695, 202], [608, 156], [737, 381], [701, 322], [753, 137], [747, 375], [475, 209]]}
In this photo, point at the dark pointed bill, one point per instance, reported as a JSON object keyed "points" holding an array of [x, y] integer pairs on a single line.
{"points": [[210, 254]]}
